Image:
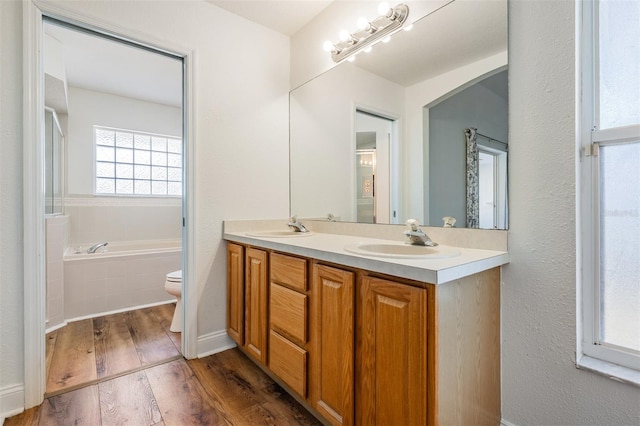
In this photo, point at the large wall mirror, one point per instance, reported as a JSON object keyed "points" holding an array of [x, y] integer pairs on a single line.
{"points": [[415, 129]]}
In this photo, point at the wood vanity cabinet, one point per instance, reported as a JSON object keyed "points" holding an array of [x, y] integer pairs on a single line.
{"points": [[332, 360], [289, 321], [235, 292], [247, 299], [370, 349], [391, 349]]}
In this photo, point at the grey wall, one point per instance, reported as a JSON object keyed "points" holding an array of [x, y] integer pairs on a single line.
{"points": [[476, 106]]}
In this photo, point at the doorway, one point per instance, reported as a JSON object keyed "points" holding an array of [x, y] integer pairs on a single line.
{"points": [[34, 223]]}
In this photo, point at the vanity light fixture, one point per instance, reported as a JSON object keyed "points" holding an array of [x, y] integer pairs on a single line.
{"points": [[368, 33]]}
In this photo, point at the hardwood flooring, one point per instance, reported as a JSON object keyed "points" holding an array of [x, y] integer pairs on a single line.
{"points": [[222, 389], [84, 352]]}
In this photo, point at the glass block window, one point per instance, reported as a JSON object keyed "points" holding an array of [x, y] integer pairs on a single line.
{"points": [[136, 163]]}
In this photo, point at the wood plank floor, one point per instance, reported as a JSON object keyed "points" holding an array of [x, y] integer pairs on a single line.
{"points": [[86, 351], [222, 389]]}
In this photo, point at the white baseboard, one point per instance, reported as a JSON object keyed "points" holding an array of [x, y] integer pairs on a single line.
{"points": [[213, 343], [11, 401], [503, 422]]}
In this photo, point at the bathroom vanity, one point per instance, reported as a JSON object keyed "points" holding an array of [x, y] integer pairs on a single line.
{"points": [[387, 338]]}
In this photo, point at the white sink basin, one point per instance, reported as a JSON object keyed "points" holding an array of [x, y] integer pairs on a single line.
{"points": [[400, 251], [278, 234]]}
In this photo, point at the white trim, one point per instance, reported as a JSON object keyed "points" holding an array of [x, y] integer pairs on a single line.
{"points": [[189, 286], [33, 207], [609, 370], [503, 422], [617, 134], [119, 311], [33, 191], [607, 360], [56, 327], [213, 343], [11, 401], [121, 200]]}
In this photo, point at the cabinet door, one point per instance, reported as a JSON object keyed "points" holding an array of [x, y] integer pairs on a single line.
{"points": [[235, 293], [255, 310], [391, 373], [332, 355]]}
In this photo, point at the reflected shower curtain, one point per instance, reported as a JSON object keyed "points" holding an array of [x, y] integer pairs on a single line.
{"points": [[473, 209]]}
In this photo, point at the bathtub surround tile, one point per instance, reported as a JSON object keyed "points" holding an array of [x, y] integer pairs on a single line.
{"points": [[56, 228], [123, 219], [110, 282]]}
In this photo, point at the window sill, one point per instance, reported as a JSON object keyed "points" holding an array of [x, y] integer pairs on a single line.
{"points": [[610, 370]]}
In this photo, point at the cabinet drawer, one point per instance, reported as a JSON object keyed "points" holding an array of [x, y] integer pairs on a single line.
{"points": [[288, 310], [289, 362], [289, 271]]}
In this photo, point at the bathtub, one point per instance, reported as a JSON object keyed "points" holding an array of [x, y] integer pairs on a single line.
{"points": [[129, 275]]}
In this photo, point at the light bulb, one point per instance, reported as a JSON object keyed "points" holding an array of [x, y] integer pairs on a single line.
{"points": [[344, 35], [367, 49], [383, 8], [408, 27], [363, 23], [328, 46], [351, 58], [387, 39]]}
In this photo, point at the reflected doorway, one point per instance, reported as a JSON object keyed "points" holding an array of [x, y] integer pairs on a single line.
{"points": [[374, 174]]}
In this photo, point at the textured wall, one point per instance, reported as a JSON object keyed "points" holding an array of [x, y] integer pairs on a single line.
{"points": [[11, 302], [540, 383]]}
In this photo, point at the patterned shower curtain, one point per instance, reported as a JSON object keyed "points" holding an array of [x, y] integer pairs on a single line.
{"points": [[473, 209]]}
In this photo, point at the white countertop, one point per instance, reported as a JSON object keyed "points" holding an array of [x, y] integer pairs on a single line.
{"points": [[330, 248]]}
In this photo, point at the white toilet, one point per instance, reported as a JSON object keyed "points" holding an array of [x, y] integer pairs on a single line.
{"points": [[173, 286]]}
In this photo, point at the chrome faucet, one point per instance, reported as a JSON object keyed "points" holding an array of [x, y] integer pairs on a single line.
{"points": [[417, 237], [95, 247], [295, 225]]}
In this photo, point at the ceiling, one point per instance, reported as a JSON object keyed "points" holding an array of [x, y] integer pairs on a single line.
{"points": [[285, 17]]}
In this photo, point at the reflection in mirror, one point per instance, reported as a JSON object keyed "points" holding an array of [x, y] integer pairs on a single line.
{"points": [[450, 68], [373, 167], [53, 163]]}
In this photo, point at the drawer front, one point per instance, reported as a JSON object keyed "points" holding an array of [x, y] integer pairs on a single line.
{"points": [[289, 271], [288, 312], [288, 362]]}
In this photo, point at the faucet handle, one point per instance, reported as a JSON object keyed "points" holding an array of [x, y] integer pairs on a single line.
{"points": [[412, 224]]}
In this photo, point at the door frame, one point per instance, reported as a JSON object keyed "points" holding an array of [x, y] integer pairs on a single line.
{"points": [[33, 185]]}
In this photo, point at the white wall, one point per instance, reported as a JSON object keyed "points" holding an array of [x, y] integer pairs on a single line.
{"points": [[11, 268], [540, 383], [241, 143], [323, 154], [88, 108]]}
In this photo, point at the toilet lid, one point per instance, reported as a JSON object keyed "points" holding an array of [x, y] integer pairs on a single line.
{"points": [[175, 276]]}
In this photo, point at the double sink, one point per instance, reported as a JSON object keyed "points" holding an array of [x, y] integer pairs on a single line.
{"points": [[391, 249]]}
